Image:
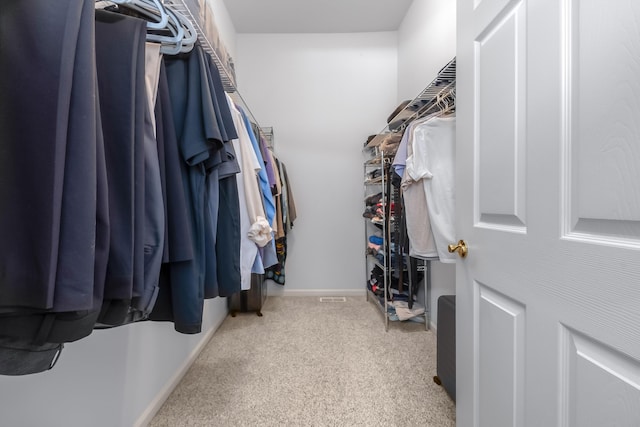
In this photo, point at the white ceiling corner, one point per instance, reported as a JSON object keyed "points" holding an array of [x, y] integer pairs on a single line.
{"points": [[316, 16]]}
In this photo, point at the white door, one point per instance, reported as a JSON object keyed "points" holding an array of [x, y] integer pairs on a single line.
{"points": [[548, 202]]}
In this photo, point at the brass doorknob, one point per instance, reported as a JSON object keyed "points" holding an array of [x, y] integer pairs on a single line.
{"points": [[460, 248]]}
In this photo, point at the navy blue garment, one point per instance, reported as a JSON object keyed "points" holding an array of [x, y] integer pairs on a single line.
{"points": [[217, 134], [228, 132], [103, 227], [37, 37], [198, 141], [211, 261], [50, 76], [228, 231], [77, 243], [178, 242], [178, 299], [228, 238], [225, 119], [187, 294]]}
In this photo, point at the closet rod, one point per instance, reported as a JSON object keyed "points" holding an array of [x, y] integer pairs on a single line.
{"points": [[227, 81]]}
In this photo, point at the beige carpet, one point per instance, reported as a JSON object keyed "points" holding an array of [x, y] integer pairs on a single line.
{"points": [[311, 363]]}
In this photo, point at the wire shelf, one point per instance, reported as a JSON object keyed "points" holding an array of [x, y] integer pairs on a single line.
{"points": [[441, 89]]}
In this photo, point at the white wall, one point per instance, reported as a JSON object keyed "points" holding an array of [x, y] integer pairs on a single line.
{"points": [[427, 42], [116, 377], [224, 24], [323, 94]]}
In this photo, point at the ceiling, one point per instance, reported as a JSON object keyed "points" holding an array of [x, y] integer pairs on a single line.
{"points": [[316, 16]]}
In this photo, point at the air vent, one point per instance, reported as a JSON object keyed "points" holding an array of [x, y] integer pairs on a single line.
{"points": [[333, 299]]}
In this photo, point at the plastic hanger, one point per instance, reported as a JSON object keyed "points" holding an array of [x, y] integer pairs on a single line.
{"points": [[150, 8], [182, 34], [191, 36], [171, 45]]}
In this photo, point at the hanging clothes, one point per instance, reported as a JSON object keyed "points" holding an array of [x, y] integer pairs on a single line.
{"points": [[285, 217], [151, 193], [52, 185], [224, 277], [266, 254], [199, 143], [254, 227], [431, 166], [130, 155], [418, 222]]}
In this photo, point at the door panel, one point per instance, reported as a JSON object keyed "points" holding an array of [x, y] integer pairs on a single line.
{"points": [[548, 202], [501, 336], [500, 141], [604, 104], [602, 385], [486, 11]]}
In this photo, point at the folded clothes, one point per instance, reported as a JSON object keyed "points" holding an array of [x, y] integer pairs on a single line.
{"points": [[405, 313], [374, 247], [375, 173], [376, 240], [373, 199]]}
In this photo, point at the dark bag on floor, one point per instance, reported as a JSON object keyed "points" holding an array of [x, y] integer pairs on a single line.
{"points": [[446, 339], [249, 300]]}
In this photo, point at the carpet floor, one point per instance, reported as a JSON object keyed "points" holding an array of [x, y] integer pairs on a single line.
{"points": [[312, 363]]}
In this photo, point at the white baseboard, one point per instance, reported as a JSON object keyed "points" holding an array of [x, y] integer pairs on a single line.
{"points": [[433, 327], [284, 292], [154, 406]]}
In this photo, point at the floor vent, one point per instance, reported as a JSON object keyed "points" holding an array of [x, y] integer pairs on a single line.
{"points": [[333, 299]]}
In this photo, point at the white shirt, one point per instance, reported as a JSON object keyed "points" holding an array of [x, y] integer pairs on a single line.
{"points": [[432, 161]]}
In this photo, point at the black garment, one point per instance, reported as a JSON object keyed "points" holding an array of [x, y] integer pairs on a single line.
{"points": [[22, 358]]}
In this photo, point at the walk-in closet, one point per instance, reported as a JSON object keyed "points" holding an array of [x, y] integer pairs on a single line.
{"points": [[319, 213], [192, 225]]}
